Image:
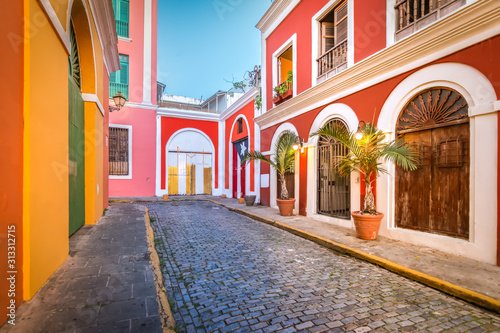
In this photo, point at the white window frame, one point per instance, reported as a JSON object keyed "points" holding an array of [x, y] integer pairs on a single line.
{"points": [[129, 176], [291, 42], [316, 27]]}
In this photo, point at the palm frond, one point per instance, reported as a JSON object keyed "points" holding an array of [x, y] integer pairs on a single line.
{"points": [[257, 155], [400, 154]]}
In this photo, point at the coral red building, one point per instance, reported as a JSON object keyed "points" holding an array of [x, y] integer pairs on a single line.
{"points": [[425, 71]]}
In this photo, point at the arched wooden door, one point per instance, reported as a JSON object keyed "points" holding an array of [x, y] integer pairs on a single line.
{"points": [[435, 197], [334, 193]]}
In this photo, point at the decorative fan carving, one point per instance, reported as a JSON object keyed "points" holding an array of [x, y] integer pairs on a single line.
{"points": [[435, 107], [74, 59]]}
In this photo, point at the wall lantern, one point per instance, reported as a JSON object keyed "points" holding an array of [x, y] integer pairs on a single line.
{"points": [[119, 100], [298, 145], [359, 134]]}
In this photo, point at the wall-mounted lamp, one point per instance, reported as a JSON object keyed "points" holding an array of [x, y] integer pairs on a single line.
{"points": [[359, 134], [119, 100], [298, 145]]}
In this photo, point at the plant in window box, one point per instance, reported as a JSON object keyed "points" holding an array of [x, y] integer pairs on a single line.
{"points": [[366, 148], [287, 91], [276, 96], [283, 161]]}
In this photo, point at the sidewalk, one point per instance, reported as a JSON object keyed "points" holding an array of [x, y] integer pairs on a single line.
{"points": [[456, 275], [105, 285]]}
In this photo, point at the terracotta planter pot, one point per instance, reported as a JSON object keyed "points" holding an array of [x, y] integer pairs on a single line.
{"points": [[277, 100], [249, 199], [286, 206], [367, 225]]}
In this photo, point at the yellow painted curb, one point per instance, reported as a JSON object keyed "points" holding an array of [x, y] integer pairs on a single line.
{"points": [[168, 322]]}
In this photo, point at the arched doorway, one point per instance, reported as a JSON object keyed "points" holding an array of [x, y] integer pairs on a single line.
{"points": [[189, 162], [334, 193], [76, 139], [435, 197]]}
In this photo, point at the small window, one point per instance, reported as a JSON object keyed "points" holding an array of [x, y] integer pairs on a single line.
{"points": [[121, 9], [118, 81], [240, 125], [118, 151]]}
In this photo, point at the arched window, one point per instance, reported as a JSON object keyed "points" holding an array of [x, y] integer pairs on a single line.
{"points": [[334, 194], [435, 197]]}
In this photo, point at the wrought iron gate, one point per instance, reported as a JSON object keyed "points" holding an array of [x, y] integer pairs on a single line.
{"points": [[334, 193]]}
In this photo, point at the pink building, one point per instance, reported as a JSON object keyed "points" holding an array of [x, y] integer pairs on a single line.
{"points": [[132, 130]]}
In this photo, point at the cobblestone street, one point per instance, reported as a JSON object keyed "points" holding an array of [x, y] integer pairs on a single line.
{"points": [[225, 272]]}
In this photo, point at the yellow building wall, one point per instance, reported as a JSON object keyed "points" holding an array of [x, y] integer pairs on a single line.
{"points": [[46, 194], [46, 206], [61, 9]]}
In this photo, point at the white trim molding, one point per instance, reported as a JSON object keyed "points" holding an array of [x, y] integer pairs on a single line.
{"points": [[465, 27], [480, 95], [348, 116], [273, 178], [148, 28], [291, 42], [240, 103], [54, 20], [188, 114], [130, 146], [93, 98], [230, 152], [278, 11]]}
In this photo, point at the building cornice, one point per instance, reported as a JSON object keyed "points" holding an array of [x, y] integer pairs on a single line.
{"points": [[187, 114], [104, 19], [465, 27], [275, 15], [241, 102]]}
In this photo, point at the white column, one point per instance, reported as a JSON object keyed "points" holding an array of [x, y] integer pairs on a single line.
{"points": [[146, 85]]}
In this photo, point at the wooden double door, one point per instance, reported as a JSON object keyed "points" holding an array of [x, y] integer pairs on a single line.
{"points": [[435, 197]]}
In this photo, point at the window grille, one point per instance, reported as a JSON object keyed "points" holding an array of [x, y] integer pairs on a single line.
{"points": [[118, 151]]}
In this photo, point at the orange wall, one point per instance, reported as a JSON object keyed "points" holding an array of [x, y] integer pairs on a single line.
{"points": [[11, 146], [248, 111]]}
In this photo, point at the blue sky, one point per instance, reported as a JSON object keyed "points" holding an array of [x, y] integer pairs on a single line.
{"points": [[202, 43]]}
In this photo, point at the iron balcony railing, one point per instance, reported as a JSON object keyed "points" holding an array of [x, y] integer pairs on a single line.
{"points": [[334, 60], [122, 29], [114, 88]]}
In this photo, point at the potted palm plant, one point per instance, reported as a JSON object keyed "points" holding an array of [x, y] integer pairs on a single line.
{"points": [[367, 148], [283, 161]]}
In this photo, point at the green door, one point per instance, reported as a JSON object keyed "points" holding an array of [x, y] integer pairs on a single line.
{"points": [[76, 157]]}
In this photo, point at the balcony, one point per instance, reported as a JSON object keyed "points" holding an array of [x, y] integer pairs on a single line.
{"points": [[122, 29], [114, 88], [413, 15], [332, 61]]}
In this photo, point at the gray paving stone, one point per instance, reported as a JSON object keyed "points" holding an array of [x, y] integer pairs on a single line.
{"points": [[228, 263]]}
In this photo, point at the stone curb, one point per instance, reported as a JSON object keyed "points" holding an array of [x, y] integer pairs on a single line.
{"points": [[168, 322], [428, 280]]}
